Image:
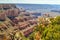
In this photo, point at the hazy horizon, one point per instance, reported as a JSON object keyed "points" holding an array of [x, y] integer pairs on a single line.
{"points": [[38, 6]]}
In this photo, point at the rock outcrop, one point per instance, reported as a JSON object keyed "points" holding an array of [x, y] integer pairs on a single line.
{"points": [[12, 12], [2, 16]]}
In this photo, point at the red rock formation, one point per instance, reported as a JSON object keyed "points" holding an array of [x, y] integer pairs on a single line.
{"points": [[32, 22], [12, 12], [2, 16], [15, 20], [27, 32]]}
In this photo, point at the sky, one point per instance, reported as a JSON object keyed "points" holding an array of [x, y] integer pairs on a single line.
{"points": [[31, 1]]}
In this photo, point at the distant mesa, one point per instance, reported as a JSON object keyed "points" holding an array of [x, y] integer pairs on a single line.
{"points": [[6, 6], [55, 11]]}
